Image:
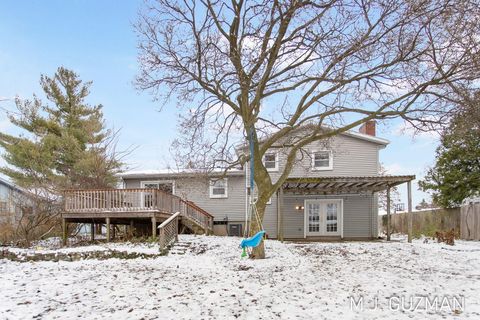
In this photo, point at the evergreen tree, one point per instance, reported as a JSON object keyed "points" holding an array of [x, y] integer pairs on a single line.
{"points": [[456, 174], [65, 144]]}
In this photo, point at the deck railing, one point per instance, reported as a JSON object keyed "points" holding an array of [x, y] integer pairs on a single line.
{"points": [[198, 215], [134, 200], [120, 200]]}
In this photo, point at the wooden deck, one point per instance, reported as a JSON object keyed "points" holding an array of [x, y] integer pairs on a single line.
{"points": [[130, 206]]}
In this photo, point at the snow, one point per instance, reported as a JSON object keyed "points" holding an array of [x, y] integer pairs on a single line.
{"points": [[169, 172], [53, 245], [211, 281]]}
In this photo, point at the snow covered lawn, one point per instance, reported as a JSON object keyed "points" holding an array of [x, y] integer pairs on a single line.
{"points": [[211, 281]]}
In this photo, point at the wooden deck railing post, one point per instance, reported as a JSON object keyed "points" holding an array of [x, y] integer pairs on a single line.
{"points": [[109, 204]]}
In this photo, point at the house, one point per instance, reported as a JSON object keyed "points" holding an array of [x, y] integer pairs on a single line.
{"points": [[331, 192], [9, 213]]}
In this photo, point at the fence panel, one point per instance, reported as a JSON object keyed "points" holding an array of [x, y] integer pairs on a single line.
{"points": [[470, 222]]}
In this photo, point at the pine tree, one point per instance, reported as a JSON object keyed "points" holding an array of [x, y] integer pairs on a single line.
{"points": [[456, 174], [65, 143]]}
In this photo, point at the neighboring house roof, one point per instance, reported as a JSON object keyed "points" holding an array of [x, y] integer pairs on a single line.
{"points": [[166, 173], [10, 185]]}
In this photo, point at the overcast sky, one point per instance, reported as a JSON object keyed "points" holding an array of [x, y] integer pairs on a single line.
{"points": [[96, 39]]}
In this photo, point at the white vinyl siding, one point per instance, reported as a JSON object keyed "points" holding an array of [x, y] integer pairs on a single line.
{"points": [[359, 215]]}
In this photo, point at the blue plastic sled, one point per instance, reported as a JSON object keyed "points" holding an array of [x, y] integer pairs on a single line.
{"points": [[252, 241]]}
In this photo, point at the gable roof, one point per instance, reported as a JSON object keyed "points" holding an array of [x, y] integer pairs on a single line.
{"points": [[367, 137], [354, 134]]}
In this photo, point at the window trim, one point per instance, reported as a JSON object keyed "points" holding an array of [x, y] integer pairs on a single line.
{"points": [[330, 160], [159, 182], [275, 169], [218, 196]]}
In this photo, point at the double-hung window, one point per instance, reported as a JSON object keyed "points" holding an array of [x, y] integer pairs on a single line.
{"points": [[219, 188], [322, 160], [270, 161]]}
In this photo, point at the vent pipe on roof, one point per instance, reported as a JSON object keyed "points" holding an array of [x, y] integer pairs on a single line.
{"points": [[368, 128]]}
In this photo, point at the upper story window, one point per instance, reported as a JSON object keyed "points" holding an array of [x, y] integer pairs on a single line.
{"points": [[270, 161], [218, 188], [322, 160]]}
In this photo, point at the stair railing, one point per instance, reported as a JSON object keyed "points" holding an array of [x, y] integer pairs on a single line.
{"points": [[168, 232], [198, 215]]}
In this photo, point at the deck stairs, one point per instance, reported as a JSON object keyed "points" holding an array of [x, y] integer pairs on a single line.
{"points": [[180, 248], [190, 216]]}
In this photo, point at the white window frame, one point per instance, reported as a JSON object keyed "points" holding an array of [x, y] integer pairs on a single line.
{"points": [[276, 161], [144, 182], [211, 187], [330, 161]]}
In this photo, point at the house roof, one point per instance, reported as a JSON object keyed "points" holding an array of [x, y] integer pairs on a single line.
{"points": [[354, 134], [366, 137], [10, 185], [166, 173], [330, 185]]}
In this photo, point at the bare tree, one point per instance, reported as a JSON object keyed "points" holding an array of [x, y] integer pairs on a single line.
{"points": [[266, 69], [382, 196], [36, 215]]}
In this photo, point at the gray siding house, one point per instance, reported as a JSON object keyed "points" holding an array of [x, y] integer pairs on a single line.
{"points": [[331, 192], [9, 195]]}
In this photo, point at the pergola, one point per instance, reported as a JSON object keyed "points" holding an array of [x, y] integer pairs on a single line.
{"points": [[346, 185]]}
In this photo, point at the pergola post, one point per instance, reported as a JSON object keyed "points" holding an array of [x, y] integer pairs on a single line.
{"points": [[280, 214], [388, 213], [409, 214], [92, 232], [107, 221]]}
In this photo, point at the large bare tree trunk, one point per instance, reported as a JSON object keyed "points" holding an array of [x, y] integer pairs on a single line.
{"points": [[335, 65], [259, 251]]}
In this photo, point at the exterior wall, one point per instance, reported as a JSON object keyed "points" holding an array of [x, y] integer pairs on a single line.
{"points": [[359, 213], [8, 210], [351, 157], [197, 190], [270, 218]]}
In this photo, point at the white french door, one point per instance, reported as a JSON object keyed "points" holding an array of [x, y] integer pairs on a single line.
{"points": [[323, 217]]}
